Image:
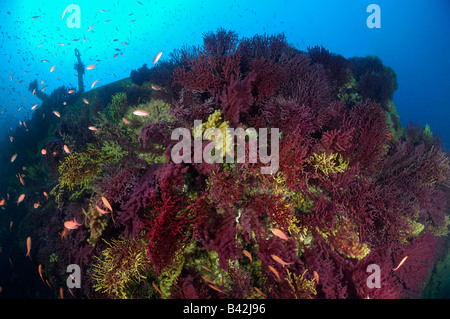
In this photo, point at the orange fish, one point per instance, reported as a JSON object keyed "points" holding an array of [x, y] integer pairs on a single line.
{"points": [[72, 224], [101, 211], [93, 83], [71, 91], [3, 202], [64, 233], [316, 276], [71, 292], [10, 225], [61, 293], [207, 279], [13, 158], [274, 271], [45, 61], [20, 199], [90, 28], [215, 288], [157, 58], [124, 43], [246, 253], [53, 68], [401, 263], [34, 91], [43, 151], [116, 55], [156, 87], [125, 121], [40, 272], [28, 247], [157, 289], [260, 292], [21, 179], [42, 90], [90, 67], [46, 195], [85, 100], [106, 203], [66, 149], [92, 128], [36, 205], [34, 106], [279, 233], [57, 113], [207, 269], [279, 260], [141, 113]]}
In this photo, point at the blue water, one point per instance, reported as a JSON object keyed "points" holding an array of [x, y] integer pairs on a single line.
{"points": [[413, 40]]}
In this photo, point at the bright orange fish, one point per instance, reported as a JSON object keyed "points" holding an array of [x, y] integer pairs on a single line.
{"points": [[34, 106], [156, 87], [21, 179], [125, 121], [43, 151], [401, 263], [215, 288], [85, 100], [53, 68], [57, 113], [28, 247], [207, 269], [207, 279], [157, 58], [36, 205], [316, 276], [157, 289], [2, 202], [279, 233], [71, 91], [90, 67], [66, 149], [20, 199], [92, 128], [275, 272], [116, 55], [260, 292], [46, 195], [279, 260], [101, 211], [40, 273], [246, 253], [61, 293], [106, 203], [13, 158], [140, 113], [124, 43], [72, 224], [93, 83]]}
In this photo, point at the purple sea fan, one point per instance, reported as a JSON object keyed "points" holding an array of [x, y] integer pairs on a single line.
{"points": [[337, 140], [369, 136], [421, 253], [236, 98]]}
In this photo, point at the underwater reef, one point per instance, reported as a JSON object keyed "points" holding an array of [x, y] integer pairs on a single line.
{"points": [[353, 188]]}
